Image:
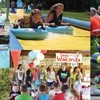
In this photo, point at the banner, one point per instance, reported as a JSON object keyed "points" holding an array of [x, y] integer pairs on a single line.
{"points": [[15, 54], [68, 58]]}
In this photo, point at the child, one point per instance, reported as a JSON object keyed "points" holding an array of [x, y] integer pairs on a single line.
{"points": [[19, 4], [29, 79], [15, 92], [24, 22], [55, 91], [54, 18], [72, 94], [50, 76], [35, 19], [78, 84], [35, 77], [24, 94], [32, 21], [74, 73], [20, 75], [63, 75], [42, 75], [1, 21], [61, 96], [43, 95]]}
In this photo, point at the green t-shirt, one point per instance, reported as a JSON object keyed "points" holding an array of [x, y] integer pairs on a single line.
{"points": [[23, 97], [73, 76]]}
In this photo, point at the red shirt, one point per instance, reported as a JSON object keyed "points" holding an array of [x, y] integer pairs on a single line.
{"points": [[95, 24], [60, 96]]}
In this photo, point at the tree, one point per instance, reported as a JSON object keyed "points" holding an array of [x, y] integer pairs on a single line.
{"points": [[7, 9], [98, 2]]}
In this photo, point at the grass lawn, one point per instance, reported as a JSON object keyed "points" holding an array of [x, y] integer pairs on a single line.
{"points": [[77, 15]]}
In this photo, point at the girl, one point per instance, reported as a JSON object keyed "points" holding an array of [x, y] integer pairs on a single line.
{"points": [[32, 21], [74, 73], [50, 76], [42, 76], [29, 79], [54, 18], [20, 75], [35, 77], [78, 84], [35, 19]]}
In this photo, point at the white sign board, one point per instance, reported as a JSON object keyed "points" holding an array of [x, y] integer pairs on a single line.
{"points": [[68, 58]]}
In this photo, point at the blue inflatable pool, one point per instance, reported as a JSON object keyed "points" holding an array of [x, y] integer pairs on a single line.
{"points": [[60, 29], [78, 23], [75, 22], [39, 34], [29, 33]]}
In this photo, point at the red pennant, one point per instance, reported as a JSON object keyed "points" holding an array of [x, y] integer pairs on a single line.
{"points": [[15, 57]]}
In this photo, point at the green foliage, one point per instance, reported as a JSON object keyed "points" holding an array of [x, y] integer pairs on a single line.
{"points": [[2, 4], [77, 15], [4, 84], [94, 45], [98, 2], [70, 5]]}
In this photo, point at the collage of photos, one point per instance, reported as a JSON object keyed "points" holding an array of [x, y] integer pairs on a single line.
{"points": [[49, 50]]}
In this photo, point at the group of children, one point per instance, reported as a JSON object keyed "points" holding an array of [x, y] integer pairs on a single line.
{"points": [[95, 21], [53, 19], [46, 83]]}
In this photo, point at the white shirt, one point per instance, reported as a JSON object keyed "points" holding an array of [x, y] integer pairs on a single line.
{"points": [[20, 74], [78, 86], [51, 77]]}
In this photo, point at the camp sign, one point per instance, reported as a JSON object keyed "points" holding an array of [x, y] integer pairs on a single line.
{"points": [[68, 58]]}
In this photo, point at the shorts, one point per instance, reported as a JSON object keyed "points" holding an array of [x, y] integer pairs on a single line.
{"points": [[50, 84]]}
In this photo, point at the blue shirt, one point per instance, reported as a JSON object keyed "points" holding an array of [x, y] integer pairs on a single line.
{"points": [[44, 97], [19, 4]]}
